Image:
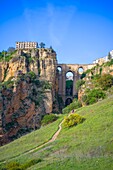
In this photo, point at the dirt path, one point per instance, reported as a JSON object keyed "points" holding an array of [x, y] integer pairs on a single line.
{"points": [[51, 140]]}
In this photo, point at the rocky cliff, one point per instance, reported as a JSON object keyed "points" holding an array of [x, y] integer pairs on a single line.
{"points": [[27, 91]]}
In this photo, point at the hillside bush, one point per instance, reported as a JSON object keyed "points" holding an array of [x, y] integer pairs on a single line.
{"points": [[74, 105], [93, 96], [17, 166], [13, 166], [30, 163], [105, 81], [79, 83], [49, 119], [73, 120]]}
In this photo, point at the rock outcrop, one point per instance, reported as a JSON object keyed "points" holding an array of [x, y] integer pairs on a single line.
{"points": [[26, 97]]}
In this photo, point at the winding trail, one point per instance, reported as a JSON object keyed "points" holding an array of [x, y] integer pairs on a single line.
{"points": [[54, 137]]}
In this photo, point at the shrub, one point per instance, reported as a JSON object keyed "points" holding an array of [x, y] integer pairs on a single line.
{"points": [[13, 166], [72, 120], [30, 163], [84, 98], [79, 83], [100, 70], [30, 60], [8, 83], [46, 85], [93, 96], [17, 166], [105, 81], [91, 100], [48, 119], [83, 75], [74, 105], [32, 75]]}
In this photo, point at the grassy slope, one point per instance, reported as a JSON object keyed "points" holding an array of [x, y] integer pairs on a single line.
{"points": [[28, 141], [88, 146]]}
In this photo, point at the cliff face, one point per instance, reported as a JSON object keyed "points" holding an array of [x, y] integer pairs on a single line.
{"points": [[26, 97], [41, 61]]}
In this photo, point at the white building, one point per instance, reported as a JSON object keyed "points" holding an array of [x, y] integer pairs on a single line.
{"points": [[26, 45], [103, 59]]}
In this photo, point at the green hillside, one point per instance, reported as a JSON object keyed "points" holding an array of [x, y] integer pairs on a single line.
{"points": [[87, 146]]}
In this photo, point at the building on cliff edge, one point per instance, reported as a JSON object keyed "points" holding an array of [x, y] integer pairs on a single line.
{"points": [[26, 45]]}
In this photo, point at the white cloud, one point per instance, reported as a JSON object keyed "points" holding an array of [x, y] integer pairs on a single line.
{"points": [[59, 22]]}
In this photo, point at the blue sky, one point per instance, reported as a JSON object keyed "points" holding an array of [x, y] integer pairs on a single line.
{"points": [[80, 31]]}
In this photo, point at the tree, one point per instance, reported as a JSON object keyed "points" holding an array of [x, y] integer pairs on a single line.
{"points": [[51, 47], [42, 45], [109, 56], [11, 49]]}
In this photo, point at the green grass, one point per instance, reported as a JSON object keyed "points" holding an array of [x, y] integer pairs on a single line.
{"points": [[87, 146], [28, 141]]}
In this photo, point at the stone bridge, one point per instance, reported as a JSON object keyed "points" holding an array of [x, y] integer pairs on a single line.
{"points": [[76, 70]]}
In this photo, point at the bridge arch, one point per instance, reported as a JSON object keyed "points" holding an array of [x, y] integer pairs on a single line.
{"points": [[69, 77], [59, 69], [80, 70], [68, 101]]}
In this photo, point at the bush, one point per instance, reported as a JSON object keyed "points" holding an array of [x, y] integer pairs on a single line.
{"points": [[18, 166], [105, 81], [32, 75], [79, 83], [74, 105], [13, 166], [93, 96], [46, 85], [83, 75], [9, 83], [30, 163], [48, 119], [73, 120]]}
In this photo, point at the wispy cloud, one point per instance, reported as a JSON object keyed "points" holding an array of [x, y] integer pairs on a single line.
{"points": [[59, 22], [28, 23], [50, 21]]}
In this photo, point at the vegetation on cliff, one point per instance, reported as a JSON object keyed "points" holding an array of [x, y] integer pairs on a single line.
{"points": [[6, 56], [95, 83]]}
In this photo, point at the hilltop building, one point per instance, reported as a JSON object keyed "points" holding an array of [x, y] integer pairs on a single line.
{"points": [[103, 59], [26, 45]]}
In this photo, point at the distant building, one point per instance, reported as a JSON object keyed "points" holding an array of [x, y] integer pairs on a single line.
{"points": [[103, 59], [111, 52], [26, 45]]}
